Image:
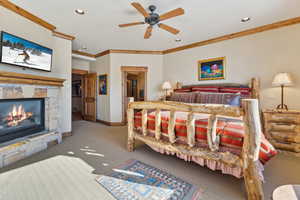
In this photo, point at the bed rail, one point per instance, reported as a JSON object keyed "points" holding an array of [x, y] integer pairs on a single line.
{"points": [[252, 139]]}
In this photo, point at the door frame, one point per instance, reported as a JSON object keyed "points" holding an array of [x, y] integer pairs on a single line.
{"points": [[81, 72], [125, 70]]}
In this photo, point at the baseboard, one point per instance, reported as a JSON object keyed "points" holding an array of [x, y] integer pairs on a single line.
{"points": [[111, 123], [66, 134]]}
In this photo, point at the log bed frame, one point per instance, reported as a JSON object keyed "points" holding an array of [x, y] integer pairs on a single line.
{"points": [[250, 113]]}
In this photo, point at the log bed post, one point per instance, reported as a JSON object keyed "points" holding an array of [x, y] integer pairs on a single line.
{"points": [[130, 119], [190, 126], [212, 138], [251, 148], [144, 121], [171, 127], [158, 124], [255, 87]]}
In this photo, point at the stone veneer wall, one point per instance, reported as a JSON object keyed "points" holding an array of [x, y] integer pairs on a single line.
{"points": [[13, 151]]}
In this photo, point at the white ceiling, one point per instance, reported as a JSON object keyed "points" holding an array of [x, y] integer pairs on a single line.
{"points": [[204, 19]]}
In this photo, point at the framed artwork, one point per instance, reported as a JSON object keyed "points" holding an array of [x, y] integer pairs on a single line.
{"points": [[211, 69], [103, 84]]}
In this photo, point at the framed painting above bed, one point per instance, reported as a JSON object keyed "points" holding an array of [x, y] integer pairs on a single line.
{"points": [[211, 69]]}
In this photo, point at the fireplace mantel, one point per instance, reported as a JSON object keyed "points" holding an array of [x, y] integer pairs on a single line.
{"points": [[18, 78]]}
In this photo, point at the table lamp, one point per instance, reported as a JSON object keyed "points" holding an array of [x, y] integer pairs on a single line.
{"points": [[281, 80], [166, 86]]}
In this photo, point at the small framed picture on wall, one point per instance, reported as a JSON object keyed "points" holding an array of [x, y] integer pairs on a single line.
{"points": [[211, 69], [103, 84]]}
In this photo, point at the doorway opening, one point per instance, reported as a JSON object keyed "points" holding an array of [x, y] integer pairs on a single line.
{"points": [[134, 84], [83, 95]]}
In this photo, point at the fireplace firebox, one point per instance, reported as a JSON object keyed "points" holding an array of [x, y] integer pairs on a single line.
{"points": [[21, 117]]}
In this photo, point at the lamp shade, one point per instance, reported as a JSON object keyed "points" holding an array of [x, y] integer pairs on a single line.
{"points": [[282, 79], [166, 85]]}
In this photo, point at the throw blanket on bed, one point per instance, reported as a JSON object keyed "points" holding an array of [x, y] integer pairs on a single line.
{"points": [[231, 132]]}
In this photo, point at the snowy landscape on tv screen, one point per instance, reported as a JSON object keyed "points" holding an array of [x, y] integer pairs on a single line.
{"points": [[21, 52]]}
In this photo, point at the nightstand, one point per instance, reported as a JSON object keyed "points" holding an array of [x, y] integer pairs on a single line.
{"points": [[282, 129]]}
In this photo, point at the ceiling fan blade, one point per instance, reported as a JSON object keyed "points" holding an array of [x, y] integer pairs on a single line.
{"points": [[140, 8], [173, 13], [169, 28], [148, 32], [131, 24]]}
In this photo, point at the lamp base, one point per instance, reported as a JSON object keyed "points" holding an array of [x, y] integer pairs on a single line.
{"points": [[282, 107]]}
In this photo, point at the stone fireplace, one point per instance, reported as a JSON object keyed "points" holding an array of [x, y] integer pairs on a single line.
{"points": [[29, 116]]}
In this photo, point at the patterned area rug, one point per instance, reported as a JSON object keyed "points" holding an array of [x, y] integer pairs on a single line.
{"points": [[135, 180]]}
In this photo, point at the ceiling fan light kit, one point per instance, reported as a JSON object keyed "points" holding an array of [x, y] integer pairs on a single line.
{"points": [[153, 19]]}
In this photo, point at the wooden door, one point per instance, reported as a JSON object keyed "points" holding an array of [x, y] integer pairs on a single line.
{"points": [[89, 96]]}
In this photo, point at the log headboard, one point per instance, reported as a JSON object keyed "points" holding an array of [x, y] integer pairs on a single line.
{"points": [[254, 87]]}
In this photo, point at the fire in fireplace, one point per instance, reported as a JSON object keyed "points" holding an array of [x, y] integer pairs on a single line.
{"points": [[18, 116], [21, 117]]}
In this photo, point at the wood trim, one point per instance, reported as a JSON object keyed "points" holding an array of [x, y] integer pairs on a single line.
{"points": [[79, 71], [26, 14], [128, 52], [63, 36], [236, 35], [134, 69], [18, 78], [136, 52], [83, 53], [111, 123], [103, 53], [124, 71]]}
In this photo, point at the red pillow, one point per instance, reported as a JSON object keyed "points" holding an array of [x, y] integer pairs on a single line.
{"points": [[243, 91], [183, 90], [205, 89]]}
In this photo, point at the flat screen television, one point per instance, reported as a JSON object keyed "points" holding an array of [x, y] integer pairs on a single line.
{"points": [[20, 52]]}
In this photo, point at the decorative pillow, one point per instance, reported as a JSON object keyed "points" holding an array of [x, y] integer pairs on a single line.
{"points": [[205, 89], [236, 101], [216, 98], [245, 92], [183, 90], [183, 97]]}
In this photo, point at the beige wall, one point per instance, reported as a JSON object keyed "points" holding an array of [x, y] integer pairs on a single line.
{"points": [[80, 64], [260, 55], [109, 107], [61, 63], [102, 66], [154, 78]]}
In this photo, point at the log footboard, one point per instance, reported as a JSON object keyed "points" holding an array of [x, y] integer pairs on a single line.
{"points": [[252, 137]]}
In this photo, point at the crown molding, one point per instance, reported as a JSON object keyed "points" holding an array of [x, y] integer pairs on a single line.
{"points": [[136, 52], [20, 11], [83, 53], [103, 53], [64, 36], [247, 32]]}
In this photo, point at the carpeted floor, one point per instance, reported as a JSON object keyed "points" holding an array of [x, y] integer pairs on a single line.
{"points": [[67, 171]]}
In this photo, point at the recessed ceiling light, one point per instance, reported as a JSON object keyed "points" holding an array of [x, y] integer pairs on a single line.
{"points": [[245, 19], [80, 12], [178, 40]]}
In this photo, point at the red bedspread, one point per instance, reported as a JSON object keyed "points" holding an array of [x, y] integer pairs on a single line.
{"points": [[231, 132]]}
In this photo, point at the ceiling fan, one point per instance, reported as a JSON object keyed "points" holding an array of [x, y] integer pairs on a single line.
{"points": [[153, 18]]}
